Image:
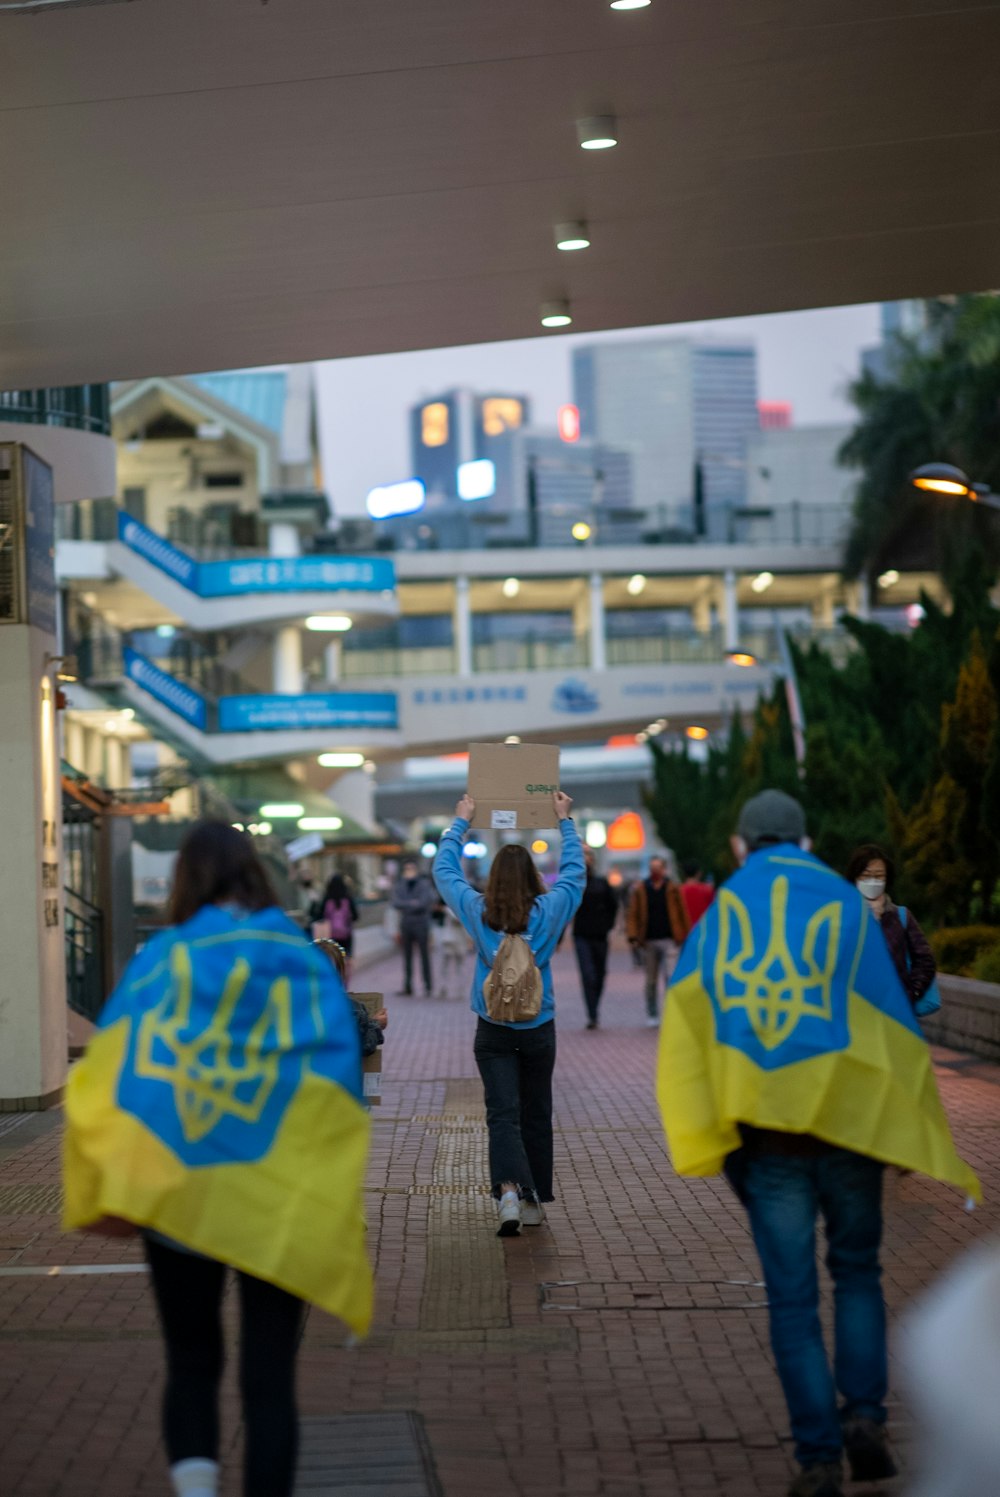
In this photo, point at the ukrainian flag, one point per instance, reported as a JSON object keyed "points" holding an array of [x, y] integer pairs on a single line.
{"points": [[219, 1104], [786, 1012]]}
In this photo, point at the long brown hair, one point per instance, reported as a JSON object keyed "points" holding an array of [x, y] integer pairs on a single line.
{"points": [[513, 886], [217, 864]]}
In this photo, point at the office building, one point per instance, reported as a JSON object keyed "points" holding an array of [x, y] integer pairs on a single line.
{"points": [[684, 409]]}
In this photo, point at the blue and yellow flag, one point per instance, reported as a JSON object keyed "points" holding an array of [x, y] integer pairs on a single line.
{"points": [[218, 1103], [786, 1012]]}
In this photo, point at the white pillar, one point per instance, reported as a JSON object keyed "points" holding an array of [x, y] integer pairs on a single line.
{"points": [[598, 644], [74, 741], [462, 627], [333, 660], [730, 611], [283, 539], [32, 939], [117, 758], [288, 661], [94, 755]]}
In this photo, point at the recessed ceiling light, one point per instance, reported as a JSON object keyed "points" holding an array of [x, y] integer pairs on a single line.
{"points": [[345, 759], [762, 582], [889, 578], [630, 4], [511, 587], [635, 585], [282, 809], [572, 236], [597, 133], [328, 623], [555, 314]]}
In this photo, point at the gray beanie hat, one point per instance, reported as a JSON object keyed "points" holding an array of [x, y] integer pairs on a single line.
{"points": [[771, 816]]}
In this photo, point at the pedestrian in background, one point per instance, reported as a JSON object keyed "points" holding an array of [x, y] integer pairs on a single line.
{"points": [[790, 1058], [696, 893], [656, 923], [413, 899], [515, 928], [871, 871], [338, 915], [592, 925]]}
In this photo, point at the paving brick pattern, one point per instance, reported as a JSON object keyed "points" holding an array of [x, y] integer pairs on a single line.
{"points": [[620, 1350]]}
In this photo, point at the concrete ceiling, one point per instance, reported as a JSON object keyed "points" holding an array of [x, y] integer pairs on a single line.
{"points": [[195, 184]]}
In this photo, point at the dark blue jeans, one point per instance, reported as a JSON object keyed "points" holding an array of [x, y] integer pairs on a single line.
{"points": [[592, 958], [784, 1195], [516, 1066]]}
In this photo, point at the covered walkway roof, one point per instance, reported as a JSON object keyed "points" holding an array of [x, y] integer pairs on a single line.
{"points": [[194, 186]]}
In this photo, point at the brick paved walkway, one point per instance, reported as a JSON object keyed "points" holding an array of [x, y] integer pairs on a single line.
{"points": [[619, 1351]]}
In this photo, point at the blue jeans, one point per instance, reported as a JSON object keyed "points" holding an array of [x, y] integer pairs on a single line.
{"points": [[783, 1195]]}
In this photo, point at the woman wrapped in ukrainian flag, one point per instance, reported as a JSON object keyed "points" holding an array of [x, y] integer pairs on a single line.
{"points": [[218, 1111]]}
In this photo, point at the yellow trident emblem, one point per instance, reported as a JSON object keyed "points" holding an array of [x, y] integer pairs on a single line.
{"points": [[204, 1075], [774, 992]]}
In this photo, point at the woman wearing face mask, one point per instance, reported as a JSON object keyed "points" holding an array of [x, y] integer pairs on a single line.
{"points": [[870, 870]]}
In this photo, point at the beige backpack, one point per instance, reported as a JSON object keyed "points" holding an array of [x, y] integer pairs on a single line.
{"points": [[513, 988]]}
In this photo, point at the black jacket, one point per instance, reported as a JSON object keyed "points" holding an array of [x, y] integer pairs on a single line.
{"points": [[598, 910]]}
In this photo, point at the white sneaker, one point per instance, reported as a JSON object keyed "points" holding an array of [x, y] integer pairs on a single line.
{"points": [[195, 1478], [532, 1213], [652, 1022], [510, 1215]]}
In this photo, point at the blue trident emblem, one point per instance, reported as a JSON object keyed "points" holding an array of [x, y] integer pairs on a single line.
{"points": [[772, 988], [212, 1076]]}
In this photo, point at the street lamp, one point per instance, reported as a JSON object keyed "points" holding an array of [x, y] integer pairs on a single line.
{"points": [[944, 478]]}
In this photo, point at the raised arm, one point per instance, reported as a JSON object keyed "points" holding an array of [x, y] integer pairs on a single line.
{"points": [[567, 891], [453, 886]]}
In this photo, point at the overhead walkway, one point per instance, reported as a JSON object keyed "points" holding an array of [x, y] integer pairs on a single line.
{"points": [[232, 593]]}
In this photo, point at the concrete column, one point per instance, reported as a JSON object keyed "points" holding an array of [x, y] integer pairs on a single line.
{"points": [[462, 627], [288, 661], [598, 642], [701, 607], [119, 771], [283, 539], [74, 744], [333, 655], [823, 607], [860, 602], [730, 611], [33, 994], [94, 767]]}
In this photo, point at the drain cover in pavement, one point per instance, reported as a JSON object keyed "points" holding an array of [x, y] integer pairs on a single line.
{"points": [[645, 1295], [365, 1455]]}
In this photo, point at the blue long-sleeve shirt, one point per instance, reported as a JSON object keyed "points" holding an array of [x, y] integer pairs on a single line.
{"points": [[549, 917]]}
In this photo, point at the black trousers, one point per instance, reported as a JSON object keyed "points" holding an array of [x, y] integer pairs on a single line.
{"points": [[592, 958], [516, 1066], [188, 1294], [421, 939]]}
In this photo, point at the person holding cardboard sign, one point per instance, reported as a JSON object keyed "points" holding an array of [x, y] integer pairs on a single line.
{"points": [[515, 928]]}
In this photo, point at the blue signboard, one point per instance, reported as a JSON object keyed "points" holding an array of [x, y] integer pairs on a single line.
{"points": [[183, 700], [321, 709], [265, 574], [39, 542], [160, 553]]}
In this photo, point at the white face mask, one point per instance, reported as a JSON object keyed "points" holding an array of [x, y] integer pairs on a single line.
{"points": [[871, 888]]}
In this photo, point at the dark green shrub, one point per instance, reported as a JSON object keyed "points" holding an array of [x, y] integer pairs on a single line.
{"points": [[957, 948], [987, 965]]}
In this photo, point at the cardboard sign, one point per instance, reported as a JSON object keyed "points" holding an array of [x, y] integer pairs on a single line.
{"points": [[371, 1065], [512, 785]]}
